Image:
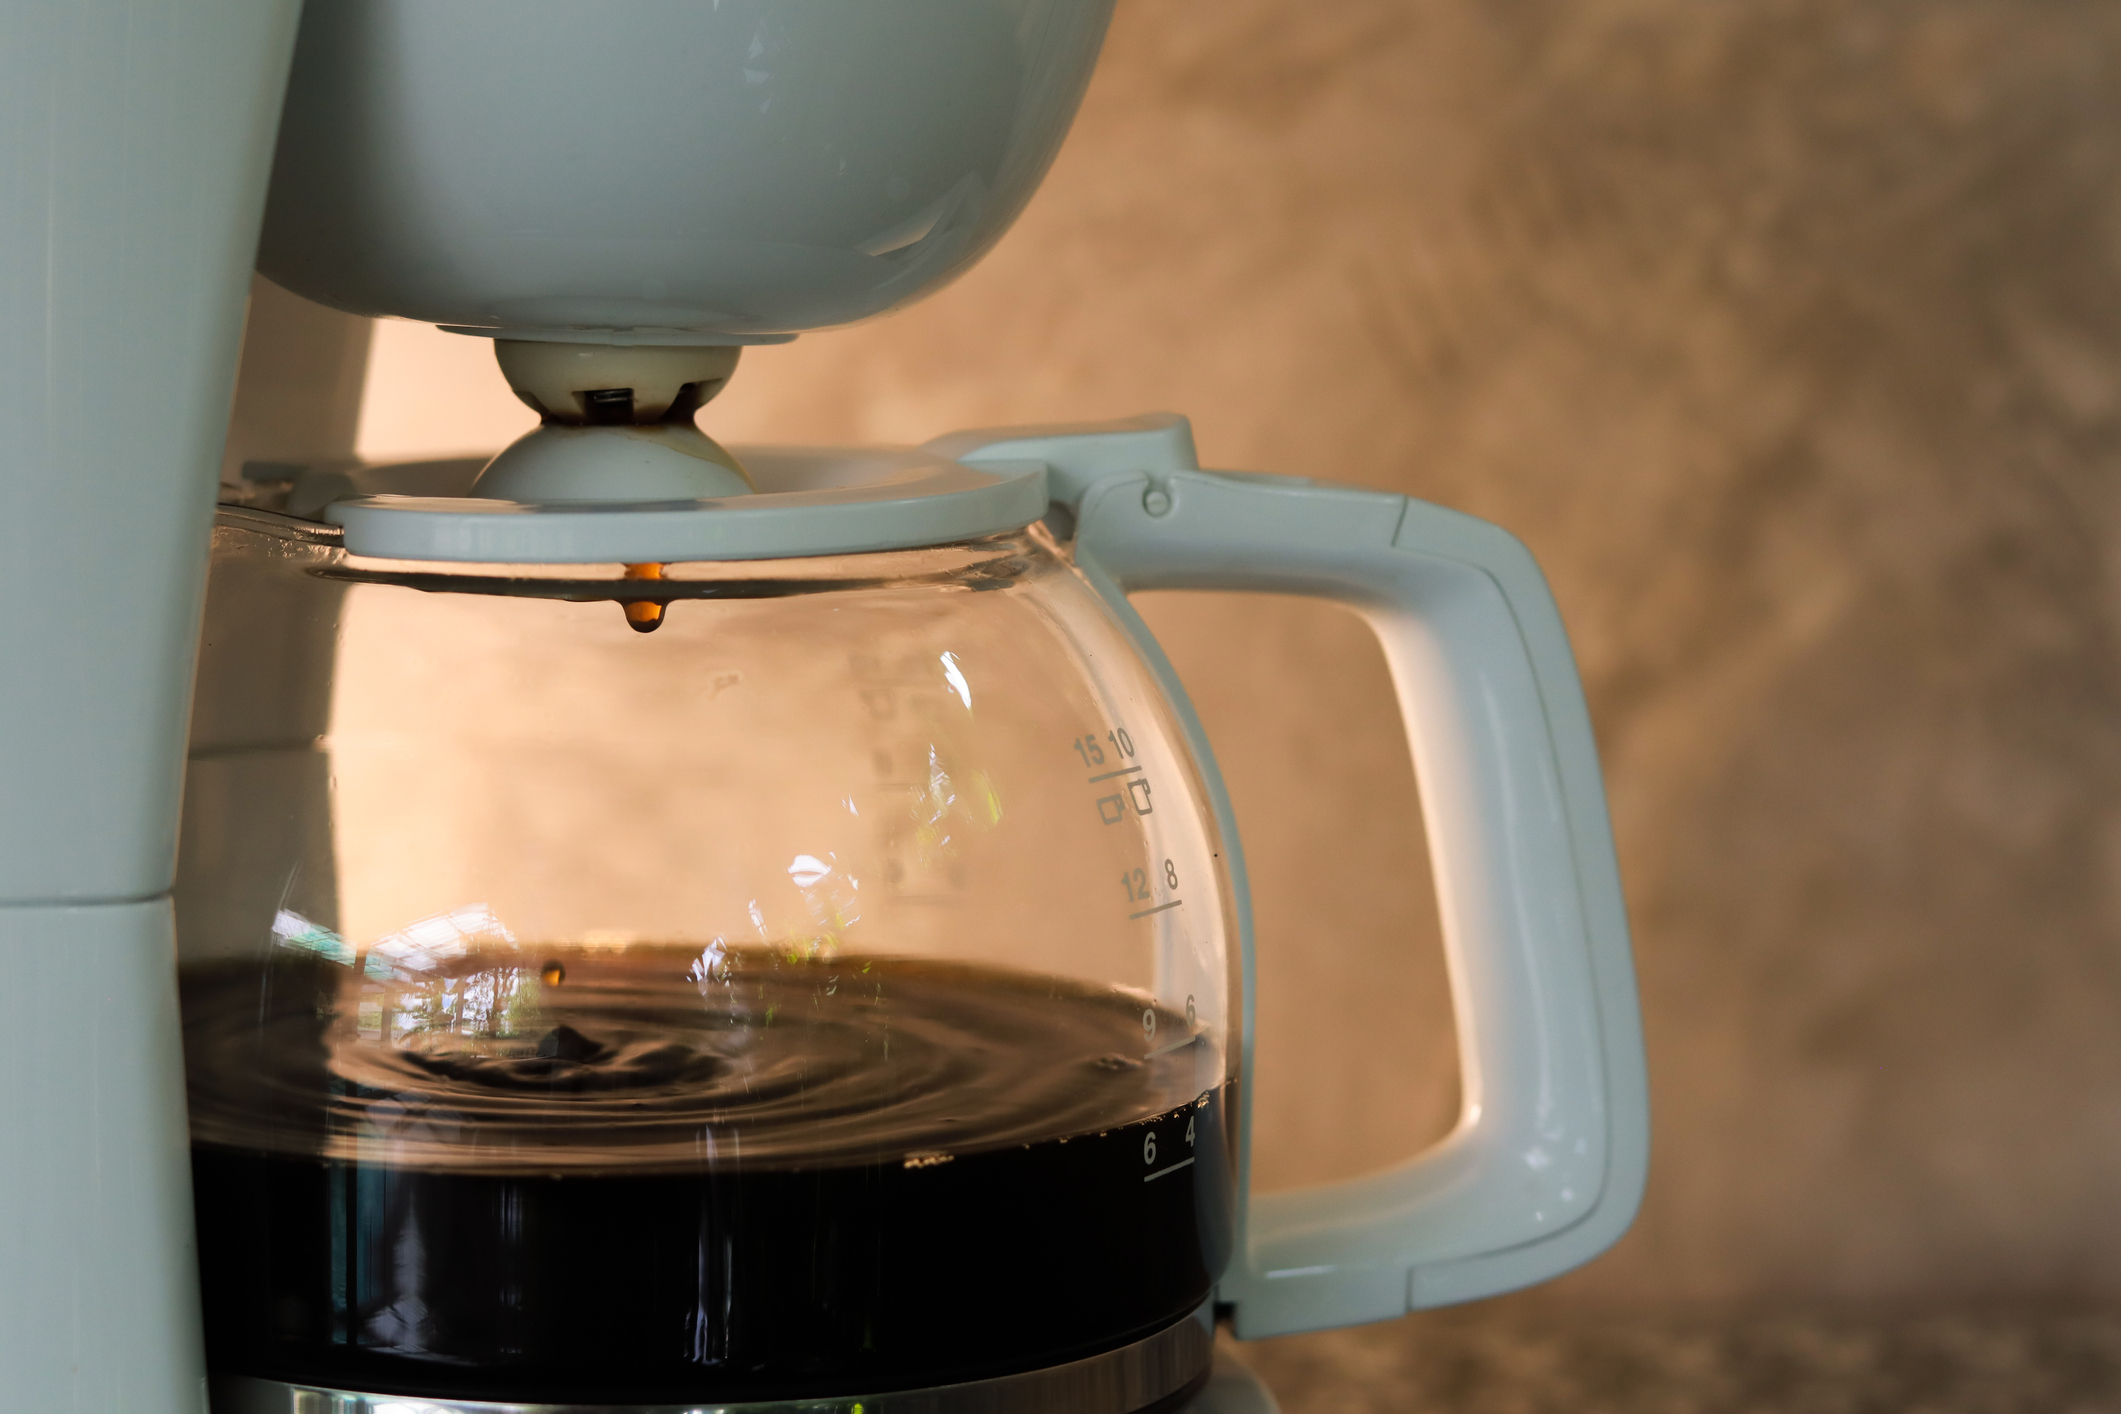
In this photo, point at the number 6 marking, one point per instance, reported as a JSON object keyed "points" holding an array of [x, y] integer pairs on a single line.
{"points": [[1149, 1147]]}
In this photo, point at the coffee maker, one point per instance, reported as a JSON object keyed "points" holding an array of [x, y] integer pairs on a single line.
{"points": [[623, 198]]}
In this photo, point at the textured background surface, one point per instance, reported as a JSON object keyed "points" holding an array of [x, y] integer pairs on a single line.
{"points": [[1507, 1357], [1788, 334]]}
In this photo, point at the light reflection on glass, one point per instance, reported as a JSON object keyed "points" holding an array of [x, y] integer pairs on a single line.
{"points": [[956, 678]]}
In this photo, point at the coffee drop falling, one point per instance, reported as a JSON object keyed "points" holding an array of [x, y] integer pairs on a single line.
{"points": [[644, 615]]}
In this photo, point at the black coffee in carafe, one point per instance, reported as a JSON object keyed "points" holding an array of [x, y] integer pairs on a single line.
{"points": [[559, 1177]]}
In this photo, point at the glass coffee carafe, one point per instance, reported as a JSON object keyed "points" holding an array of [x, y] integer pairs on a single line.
{"points": [[747, 980]]}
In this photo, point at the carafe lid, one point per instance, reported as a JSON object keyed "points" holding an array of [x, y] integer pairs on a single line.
{"points": [[808, 501]]}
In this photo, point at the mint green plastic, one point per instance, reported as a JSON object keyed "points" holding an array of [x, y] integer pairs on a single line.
{"points": [[1546, 1165]]}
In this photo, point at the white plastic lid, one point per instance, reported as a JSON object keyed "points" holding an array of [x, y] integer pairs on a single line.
{"points": [[810, 501]]}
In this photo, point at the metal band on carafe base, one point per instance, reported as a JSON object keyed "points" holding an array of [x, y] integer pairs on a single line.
{"points": [[1147, 1377]]}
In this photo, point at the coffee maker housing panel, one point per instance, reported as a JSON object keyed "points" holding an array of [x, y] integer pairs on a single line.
{"points": [[734, 169], [133, 150], [134, 144]]}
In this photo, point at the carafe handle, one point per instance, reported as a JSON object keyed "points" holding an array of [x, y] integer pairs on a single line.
{"points": [[1545, 1167]]}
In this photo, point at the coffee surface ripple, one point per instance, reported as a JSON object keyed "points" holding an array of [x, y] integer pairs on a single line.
{"points": [[663, 1059]]}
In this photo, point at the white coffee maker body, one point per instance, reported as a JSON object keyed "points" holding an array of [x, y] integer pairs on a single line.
{"points": [[672, 174]]}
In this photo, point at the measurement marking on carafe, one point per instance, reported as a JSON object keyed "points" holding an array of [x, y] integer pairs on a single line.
{"points": [[1158, 909], [1131, 770], [1181, 1164]]}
